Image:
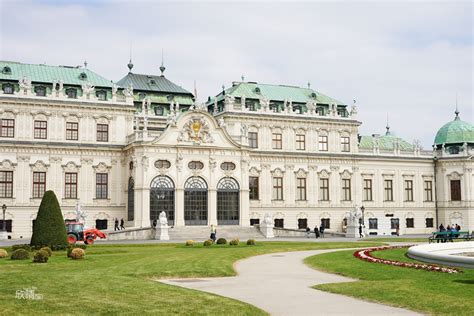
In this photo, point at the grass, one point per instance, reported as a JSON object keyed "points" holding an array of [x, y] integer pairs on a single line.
{"points": [[116, 279], [423, 291]]}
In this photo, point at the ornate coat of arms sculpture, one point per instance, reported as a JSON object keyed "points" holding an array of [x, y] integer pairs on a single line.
{"points": [[196, 130]]}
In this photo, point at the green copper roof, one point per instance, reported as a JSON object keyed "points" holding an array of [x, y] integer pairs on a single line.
{"points": [[455, 132], [252, 90], [154, 83], [47, 74], [386, 142]]}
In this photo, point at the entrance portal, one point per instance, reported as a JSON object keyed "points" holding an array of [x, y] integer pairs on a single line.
{"points": [[195, 201], [228, 199], [162, 198]]}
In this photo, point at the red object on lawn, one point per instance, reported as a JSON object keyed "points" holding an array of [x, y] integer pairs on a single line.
{"points": [[76, 232]]}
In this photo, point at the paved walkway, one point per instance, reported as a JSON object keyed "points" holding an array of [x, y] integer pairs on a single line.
{"points": [[279, 283]]}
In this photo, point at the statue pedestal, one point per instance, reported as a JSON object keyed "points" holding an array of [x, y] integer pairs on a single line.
{"points": [[352, 232], [3, 235], [267, 230], [162, 232]]}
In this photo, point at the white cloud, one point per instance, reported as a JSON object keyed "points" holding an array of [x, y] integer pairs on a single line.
{"points": [[407, 59]]}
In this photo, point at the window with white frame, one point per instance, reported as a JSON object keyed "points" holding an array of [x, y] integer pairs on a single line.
{"points": [[345, 144], [428, 191], [323, 143], [301, 189], [346, 190], [324, 189], [300, 142], [278, 188], [277, 141], [409, 190], [368, 190], [388, 190]]}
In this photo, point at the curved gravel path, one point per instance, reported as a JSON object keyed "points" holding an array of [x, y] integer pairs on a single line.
{"points": [[280, 283]]}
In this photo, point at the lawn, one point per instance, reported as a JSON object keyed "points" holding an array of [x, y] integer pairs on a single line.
{"points": [[423, 291], [116, 279]]}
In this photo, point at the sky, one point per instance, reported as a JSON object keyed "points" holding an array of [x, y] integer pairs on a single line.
{"points": [[407, 60]]}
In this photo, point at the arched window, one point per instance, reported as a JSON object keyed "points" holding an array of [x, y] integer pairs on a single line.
{"points": [[162, 198], [101, 95], [195, 201], [71, 93], [40, 91], [131, 199], [228, 201], [7, 88]]}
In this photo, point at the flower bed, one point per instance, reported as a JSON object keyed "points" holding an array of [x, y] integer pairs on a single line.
{"points": [[366, 255]]}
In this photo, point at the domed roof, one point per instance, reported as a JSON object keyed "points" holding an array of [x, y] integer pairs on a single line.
{"points": [[455, 132]]}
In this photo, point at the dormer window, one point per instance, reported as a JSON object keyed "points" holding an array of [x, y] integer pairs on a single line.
{"points": [[6, 70], [320, 111], [142, 95], [159, 110], [152, 81], [40, 91], [257, 90], [454, 150], [7, 88], [101, 95], [83, 76], [274, 107], [297, 109], [313, 95], [71, 93]]}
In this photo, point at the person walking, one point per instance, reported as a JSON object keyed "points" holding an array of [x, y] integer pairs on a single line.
{"points": [[213, 233], [398, 230], [122, 224], [321, 230], [308, 231], [316, 232], [116, 224], [360, 231]]}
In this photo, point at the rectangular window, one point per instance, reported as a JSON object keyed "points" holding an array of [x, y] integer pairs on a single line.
{"points": [[301, 189], [276, 141], [394, 223], [300, 142], [326, 223], [279, 222], [101, 186], [39, 184], [7, 128], [455, 190], [253, 139], [410, 223], [254, 221], [373, 223], [429, 223], [323, 143], [41, 129], [368, 190], [345, 144], [428, 191], [324, 189], [102, 132], [70, 188], [278, 188], [6, 184], [388, 187], [409, 190], [253, 188], [72, 131], [346, 190]]}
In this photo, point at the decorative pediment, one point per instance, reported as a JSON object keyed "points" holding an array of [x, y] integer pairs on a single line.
{"points": [[324, 173], [196, 130], [254, 172], [39, 166], [454, 175], [301, 215], [456, 215], [409, 215], [325, 215], [345, 174], [278, 172], [254, 215], [279, 215], [7, 165], [102, 215], [71, 166], [301, 173], [429, 215], [369, 215], [101, 168]]}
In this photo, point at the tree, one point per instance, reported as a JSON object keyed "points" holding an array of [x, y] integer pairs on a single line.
{"points": [[49, 229]]}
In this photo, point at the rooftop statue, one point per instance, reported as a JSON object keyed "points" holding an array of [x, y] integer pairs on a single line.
{"points": [[128, 91]]}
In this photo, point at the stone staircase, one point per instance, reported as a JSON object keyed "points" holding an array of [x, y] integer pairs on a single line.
{"points": [[199, 233]]}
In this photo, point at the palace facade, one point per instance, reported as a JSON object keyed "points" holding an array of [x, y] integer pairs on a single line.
{"points": [[143, 145]]}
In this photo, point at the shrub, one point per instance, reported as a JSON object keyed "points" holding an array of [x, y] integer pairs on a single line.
{"points": [[208, 243], [189, 242], [48, 250], [234, 242], [3, 253], [20, 254], [251, 242], [21, 246], [71, 247], [221, 241], [77, 253], [41, 256], [49, 229]]}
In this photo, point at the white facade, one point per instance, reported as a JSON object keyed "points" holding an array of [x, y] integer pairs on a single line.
{"points": [[302, 166]]}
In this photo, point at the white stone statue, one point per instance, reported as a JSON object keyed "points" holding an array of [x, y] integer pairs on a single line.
{"points": [[128, 92], [172, 119], [80, 214], [146, 105], [267, 226], [61, 86], [25, 84], [162, 218], [268, 219], [87, 89], [243, 130], [264, 103], [114, 89], [221, 122], [162, 229], [354, 217]]}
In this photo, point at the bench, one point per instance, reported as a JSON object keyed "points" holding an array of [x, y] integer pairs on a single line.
{"points": [[449, 236]]}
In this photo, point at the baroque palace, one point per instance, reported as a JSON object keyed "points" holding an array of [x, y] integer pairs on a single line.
{"points": [[143, 145]]}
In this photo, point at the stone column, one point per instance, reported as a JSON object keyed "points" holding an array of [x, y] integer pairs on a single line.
{"points": [[266, 186], [289, 185], [335, 183], [312, 186], [179, 207], [244, 194], [212, 206]]}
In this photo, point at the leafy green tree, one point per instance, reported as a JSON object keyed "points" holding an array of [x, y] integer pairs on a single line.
{"points": [[49, 229]]}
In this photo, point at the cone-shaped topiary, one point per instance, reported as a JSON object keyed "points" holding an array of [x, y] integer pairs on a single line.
{"points": [[49, 229]]}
